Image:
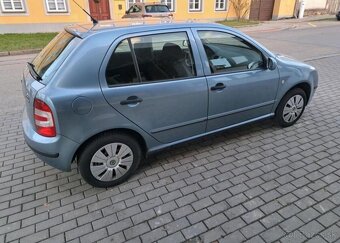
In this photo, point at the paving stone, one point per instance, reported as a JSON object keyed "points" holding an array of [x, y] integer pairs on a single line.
{"points": [[136, 230], [308, 214], [202, 203], [271, 220], [181, 212], [252, 229], [58, 226], [235, 211], [176, 225], [328, 219], [116, 238], [233, 237], [273, 234], [153, 235], [311, 229], [95, 236], [22, 232], [291, 224], [212, 235], [194, 230], [128, 212], [252, 216], [176, 237], [233, 225], [160, 221], [104, 221], [331, 234], [294, 237], [215, 221], [289, 211]]}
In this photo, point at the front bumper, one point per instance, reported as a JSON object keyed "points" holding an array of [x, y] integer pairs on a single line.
{"points": [[57, 151]]}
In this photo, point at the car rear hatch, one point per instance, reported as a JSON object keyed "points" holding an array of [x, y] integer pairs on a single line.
{"points": [[40, 71], [157, 11]]}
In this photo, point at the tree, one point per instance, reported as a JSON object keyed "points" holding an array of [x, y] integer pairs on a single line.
{"points": [[241, 7]]}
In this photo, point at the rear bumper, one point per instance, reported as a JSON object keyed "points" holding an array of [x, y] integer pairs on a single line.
{"points": [[57, 151]]}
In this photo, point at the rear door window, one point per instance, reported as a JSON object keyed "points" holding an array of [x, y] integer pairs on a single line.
{"points": [[158, 57], [53, 54], [164, 56], [121, 69]]}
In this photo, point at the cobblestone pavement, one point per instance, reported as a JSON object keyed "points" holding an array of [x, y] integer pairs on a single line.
{"points": [[259, 183]]}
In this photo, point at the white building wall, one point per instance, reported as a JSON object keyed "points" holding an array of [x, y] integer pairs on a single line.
{"points": [[315, 4]]}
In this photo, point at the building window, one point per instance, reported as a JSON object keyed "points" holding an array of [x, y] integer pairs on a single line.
{"points": [[195, 5], [131, 2], [220, 5], [12, 6], [170, 3], [56, 5]]}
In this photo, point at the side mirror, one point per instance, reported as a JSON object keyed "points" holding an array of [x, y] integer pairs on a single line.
{"points": [[271, 63]]}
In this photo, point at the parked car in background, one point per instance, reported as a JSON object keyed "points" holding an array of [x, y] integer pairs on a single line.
{"points": [[106, 96], [338, 15], [145, 10]]}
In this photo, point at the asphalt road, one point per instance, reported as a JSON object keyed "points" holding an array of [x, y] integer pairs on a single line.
{"points": [[259, 183], [302, 43]]}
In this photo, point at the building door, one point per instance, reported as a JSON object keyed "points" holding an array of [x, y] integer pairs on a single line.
{"points": [[261, 10], [100, 9]]}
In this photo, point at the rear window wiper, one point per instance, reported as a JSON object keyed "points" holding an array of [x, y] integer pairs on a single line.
{"points": [[33, 72]]}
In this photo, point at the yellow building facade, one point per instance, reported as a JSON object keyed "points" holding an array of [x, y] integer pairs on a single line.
{"points": [[283, 9], [18, 16]]}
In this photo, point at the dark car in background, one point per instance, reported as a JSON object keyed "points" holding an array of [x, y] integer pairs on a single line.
{"points": [[338, 15], [144, 10]]}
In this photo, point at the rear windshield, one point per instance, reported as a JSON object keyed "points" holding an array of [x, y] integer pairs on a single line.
{"points": [[157, 9], [54, 53]]}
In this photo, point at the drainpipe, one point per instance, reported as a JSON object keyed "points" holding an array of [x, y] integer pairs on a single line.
{"points": [[302, 9]]}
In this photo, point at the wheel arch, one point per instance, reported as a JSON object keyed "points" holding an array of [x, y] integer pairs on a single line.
{"points": [[126, 131], [305, 86]]}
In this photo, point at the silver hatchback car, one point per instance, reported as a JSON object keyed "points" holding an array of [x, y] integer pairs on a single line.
{"points": [[107, 96]]}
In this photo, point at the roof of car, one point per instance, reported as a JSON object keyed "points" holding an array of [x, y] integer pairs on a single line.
{"points": [[132, 25]]}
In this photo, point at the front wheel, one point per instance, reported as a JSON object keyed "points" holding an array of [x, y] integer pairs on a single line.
{"points": [[291, 107], [109, 160]]}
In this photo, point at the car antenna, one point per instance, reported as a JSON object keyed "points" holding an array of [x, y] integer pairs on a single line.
{"points": [[94, 21]]}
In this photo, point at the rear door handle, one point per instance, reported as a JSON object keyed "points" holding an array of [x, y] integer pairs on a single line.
{"points": [[132, 100], [218, 86]]}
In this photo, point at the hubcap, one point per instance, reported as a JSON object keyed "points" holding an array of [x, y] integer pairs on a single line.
{"points": [[111, 161], [293, 108]]}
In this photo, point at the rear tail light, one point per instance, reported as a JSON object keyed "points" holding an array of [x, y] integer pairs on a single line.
{"points": [[43, 119]]}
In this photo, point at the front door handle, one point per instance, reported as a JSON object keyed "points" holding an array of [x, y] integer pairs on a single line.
{"points": [[132, 100], [218, 86]]}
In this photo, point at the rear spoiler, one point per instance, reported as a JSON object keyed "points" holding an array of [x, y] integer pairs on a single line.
{"points": [[73, 32]]}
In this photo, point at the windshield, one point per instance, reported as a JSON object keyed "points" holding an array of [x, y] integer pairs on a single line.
{"points": [[156, 9], [52, 53]]}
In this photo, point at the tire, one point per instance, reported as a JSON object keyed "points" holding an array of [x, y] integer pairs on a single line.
{"points": [[109, 160], [290, 107]]}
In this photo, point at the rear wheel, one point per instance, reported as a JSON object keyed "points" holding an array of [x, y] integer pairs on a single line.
{"points": [[291, 107], [109, 160]]}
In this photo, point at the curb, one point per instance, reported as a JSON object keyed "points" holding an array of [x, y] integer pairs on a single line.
{"points": [[20, 52]]}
